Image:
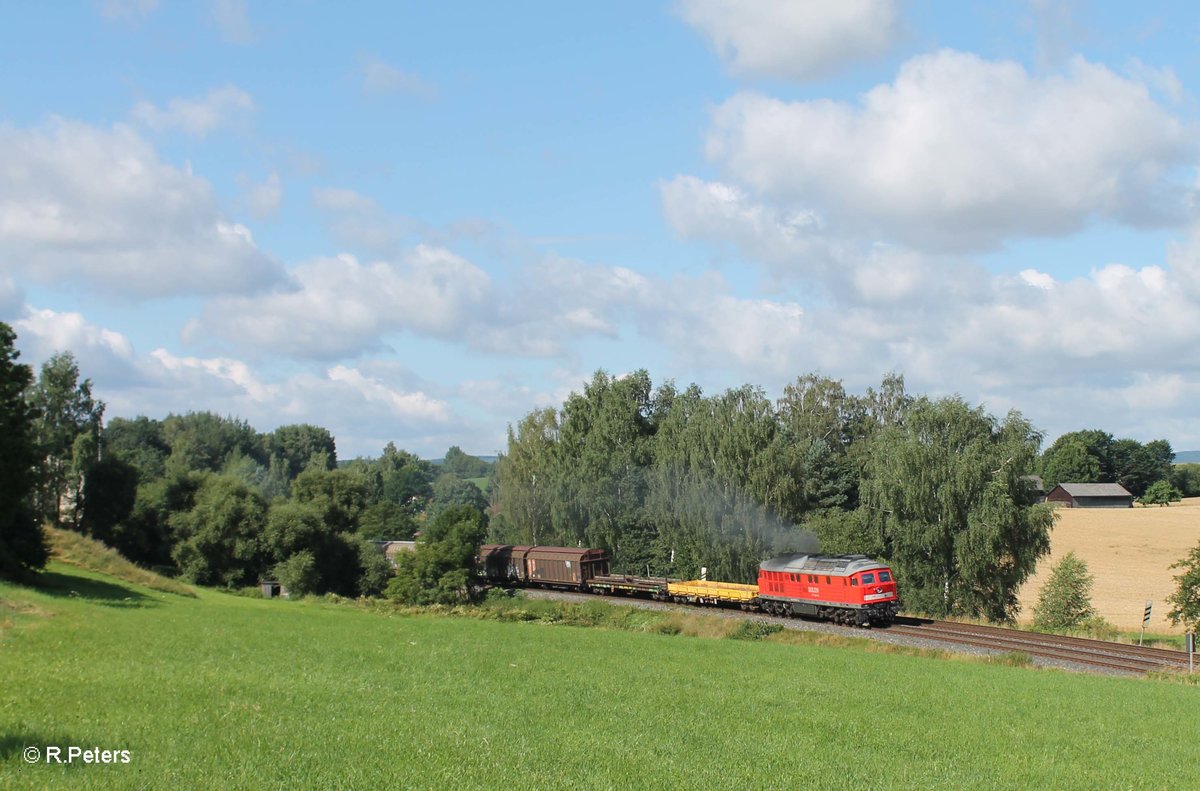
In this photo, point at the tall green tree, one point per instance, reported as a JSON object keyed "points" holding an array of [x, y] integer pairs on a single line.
{"points": [[295, 446], [204, 441], [1186, 478], [440, 571], [67, 436], [947, 492], [1077, 448], [339, 495], [220, 540], [1185, 601], [604, 442], [139, 442], [1070, 461], [463, 465], [22, 546], [527, 476]]}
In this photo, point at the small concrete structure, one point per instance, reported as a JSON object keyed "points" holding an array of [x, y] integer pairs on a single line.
{"points": [[1090, 495], [272, 589]]}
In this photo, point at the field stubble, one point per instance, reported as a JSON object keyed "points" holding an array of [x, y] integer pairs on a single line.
{"points": [[1129, 551]]}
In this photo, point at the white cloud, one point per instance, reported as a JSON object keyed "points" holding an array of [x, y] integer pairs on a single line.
{"points": [[88, 207], [963, 153], [262, 199], [797, 40], [341, 307], [362, 411], [413, 406], [795, 245], [233, 21], [360, 223], [381, 78], [197, 116]]}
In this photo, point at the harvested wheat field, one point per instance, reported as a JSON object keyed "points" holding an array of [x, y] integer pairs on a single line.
{"points": [[1129, 551]]}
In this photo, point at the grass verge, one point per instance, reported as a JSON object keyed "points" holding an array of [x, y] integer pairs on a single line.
{"points": [[221, 691], [87, 553]]}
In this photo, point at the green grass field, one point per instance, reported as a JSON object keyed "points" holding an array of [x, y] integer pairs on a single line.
{"points": [[220, 691]]}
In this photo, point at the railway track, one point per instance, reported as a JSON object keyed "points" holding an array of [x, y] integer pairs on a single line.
{"points": [[1077, 650]]}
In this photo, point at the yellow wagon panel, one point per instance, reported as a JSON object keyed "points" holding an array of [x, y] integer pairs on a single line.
{"points": [[713, 591]]}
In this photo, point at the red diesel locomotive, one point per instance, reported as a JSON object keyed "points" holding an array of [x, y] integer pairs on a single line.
{"points": [[848, 589]]}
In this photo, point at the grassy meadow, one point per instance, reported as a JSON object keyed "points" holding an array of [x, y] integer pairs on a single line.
{"points": [[222, 691], [1130, 552]]}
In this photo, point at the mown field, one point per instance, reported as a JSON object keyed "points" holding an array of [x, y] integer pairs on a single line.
{"points": [[1130, 552], [218, 691]]}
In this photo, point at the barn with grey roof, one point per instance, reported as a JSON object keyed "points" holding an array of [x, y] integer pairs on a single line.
{"points": [[1090, 495]]}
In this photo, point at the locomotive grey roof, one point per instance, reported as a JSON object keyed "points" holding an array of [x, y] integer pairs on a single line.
{"points": [[832, 565]]}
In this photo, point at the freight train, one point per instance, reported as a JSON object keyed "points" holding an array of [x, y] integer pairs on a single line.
{"points": [[846, 589]]}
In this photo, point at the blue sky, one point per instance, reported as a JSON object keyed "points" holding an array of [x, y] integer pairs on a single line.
{"points": [[416, 222]]}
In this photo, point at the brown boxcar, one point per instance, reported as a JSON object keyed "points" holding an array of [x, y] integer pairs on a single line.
{"points": [[567, 567]]}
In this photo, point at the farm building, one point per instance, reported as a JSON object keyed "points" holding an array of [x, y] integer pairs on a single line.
{"points": [[1090, 495], [390, 548]]}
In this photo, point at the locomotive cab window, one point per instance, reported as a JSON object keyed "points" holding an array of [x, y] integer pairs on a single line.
{"points": [[868, 579], [885, 576], [853, 581]]}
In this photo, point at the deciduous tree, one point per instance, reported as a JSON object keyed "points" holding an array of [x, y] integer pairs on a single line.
{"points": [[1065, 601], [67, 436], [957, 517], [22, 546], [441, 570], [1185, 601]]}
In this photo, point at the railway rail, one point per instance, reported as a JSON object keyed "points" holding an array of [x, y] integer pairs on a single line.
{"points": [[1058, 650], [1077, 650]]}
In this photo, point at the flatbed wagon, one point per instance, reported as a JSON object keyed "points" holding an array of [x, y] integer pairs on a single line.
{"points": [[717, 593]]}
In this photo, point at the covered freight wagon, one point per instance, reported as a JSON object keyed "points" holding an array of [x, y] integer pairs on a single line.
{"points": [[567, 567]]}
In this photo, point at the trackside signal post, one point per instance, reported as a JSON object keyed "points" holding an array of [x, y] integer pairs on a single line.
{"points": [[1191, 648], [1145, 621]]}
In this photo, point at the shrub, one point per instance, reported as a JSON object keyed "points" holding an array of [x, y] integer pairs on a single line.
{"points": [[1161, 493], [754, 630], [1066, 598]]}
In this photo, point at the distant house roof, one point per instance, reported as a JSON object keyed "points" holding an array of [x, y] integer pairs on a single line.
{"points": [[1095, 490]]}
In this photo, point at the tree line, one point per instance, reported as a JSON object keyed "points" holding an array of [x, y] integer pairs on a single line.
{"points": [[207, 497], [1094, 456], [670, 481], [673, 481]]}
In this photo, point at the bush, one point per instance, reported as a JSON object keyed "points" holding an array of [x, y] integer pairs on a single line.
{"points": [[298, 574], [1161, 493], [754, 630], [1066, 598]]}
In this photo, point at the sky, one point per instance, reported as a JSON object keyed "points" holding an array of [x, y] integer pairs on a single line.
{"points": [[416, 222]]}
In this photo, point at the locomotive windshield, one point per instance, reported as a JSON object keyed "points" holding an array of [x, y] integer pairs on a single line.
{"points": [[885, 576], [868, 579]]}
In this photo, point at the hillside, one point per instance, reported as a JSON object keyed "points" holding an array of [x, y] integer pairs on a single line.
{"points": [[1187, 457], [1129, 551], [227, 692]]}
